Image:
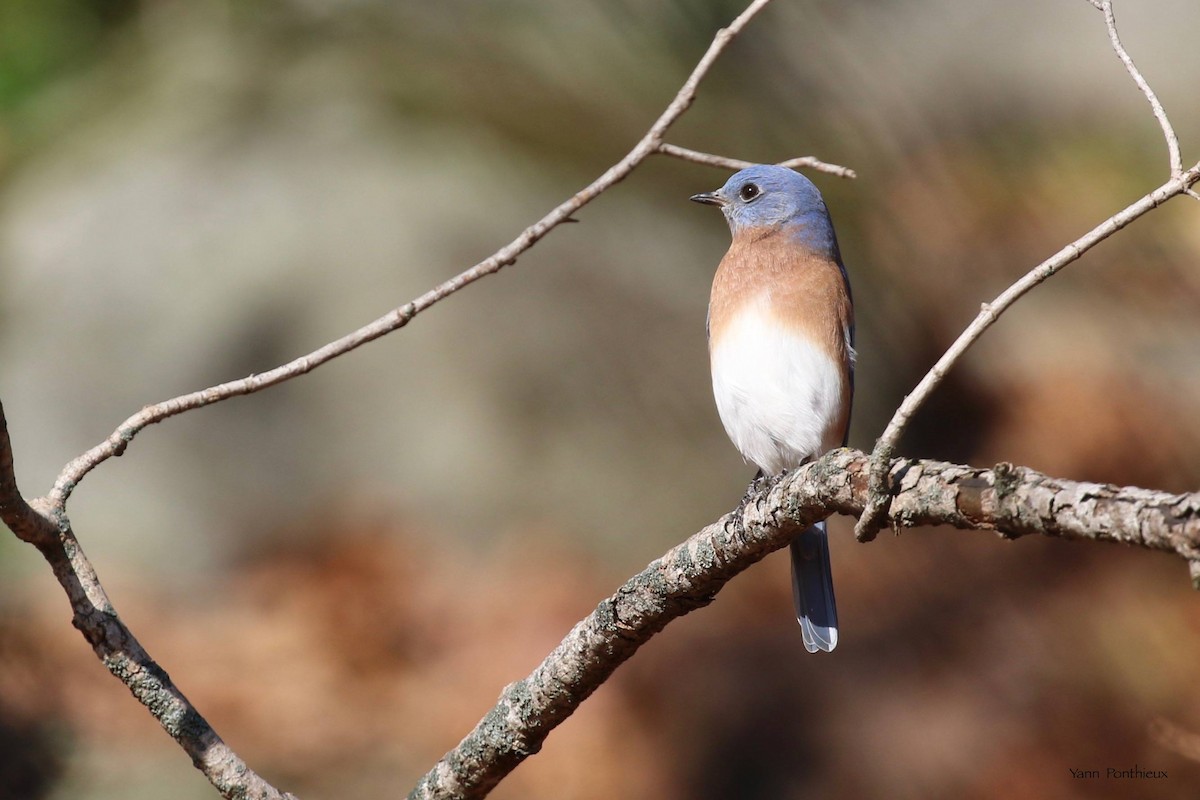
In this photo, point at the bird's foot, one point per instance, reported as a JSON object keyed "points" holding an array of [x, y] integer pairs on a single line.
{"points": [[759, 483]]}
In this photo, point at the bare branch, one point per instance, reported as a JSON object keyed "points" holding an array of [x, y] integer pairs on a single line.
{"points": [[1180, 183], [906, 493], [121, 653], [114, 644], [44, 523], [1161, 115], [805, 162], [116, 443], [1011, 500], [18, 515], [868, 524]]}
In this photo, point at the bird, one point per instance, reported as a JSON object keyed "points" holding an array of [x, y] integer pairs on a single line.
{"points": [[781, 347]]}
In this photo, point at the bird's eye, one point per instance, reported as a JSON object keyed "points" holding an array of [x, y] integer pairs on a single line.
{"points": [[749, 192]]}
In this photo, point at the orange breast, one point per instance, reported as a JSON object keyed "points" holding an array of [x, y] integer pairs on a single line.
{"points": [[804, 290]]}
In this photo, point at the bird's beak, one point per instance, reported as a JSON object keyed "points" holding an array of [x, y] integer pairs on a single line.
{"points": [[708, 199]]}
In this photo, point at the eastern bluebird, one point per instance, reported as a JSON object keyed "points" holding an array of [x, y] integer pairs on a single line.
{"points": [[781, 344]]}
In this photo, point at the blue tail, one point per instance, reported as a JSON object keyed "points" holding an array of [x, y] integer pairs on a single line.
{"points": [[812, 589]]}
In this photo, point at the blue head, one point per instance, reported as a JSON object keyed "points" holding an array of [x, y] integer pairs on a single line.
{"points": [[775, 198]]}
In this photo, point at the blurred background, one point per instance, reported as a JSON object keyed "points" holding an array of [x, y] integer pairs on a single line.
{"points": [[343, 572]]}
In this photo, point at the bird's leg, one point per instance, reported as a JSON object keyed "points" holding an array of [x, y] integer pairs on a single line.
{"points": [[759, 482]]}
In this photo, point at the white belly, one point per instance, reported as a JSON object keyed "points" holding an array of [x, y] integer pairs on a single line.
{"points": [[779, 395]]}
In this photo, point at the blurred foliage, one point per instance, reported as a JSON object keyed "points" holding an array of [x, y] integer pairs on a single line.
{"points": [[43, 41], [342, 572]]}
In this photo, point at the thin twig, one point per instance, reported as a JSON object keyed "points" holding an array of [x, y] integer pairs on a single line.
{"points": [[114, 644], [44, 523], [868, 524], [116, 443], [1180, 183], [722, 162], [1010, 500], [1161, 115]]}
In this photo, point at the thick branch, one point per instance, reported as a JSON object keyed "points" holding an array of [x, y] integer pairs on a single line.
{"points": [[1011, 500], [873, 514]]}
